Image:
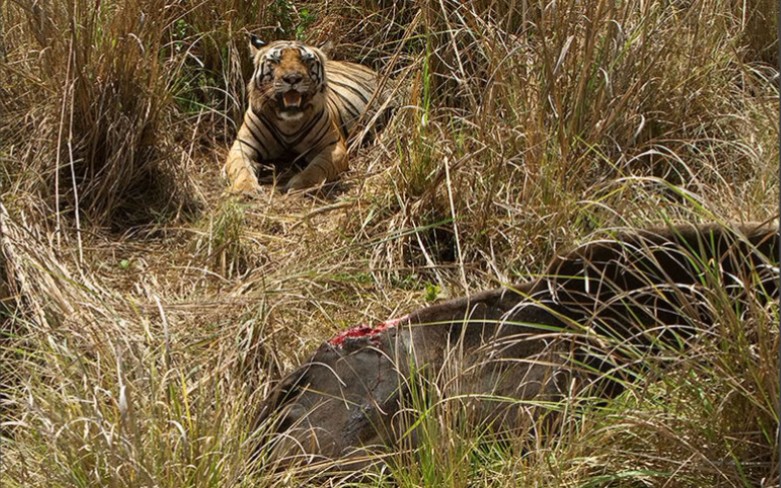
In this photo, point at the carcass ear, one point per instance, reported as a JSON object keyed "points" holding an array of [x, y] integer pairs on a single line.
{"points": [[282, 393]]}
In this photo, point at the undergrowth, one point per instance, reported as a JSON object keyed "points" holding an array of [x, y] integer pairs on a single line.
{"points": [[144, 311]]}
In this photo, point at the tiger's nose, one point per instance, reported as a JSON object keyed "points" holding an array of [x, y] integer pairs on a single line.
{"points": [[293, 78]]}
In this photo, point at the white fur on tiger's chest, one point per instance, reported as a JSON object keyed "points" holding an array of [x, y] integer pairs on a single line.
{"points": [[291, 117]]}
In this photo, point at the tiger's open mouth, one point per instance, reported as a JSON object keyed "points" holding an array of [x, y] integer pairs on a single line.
{"points": [[291, 101]]}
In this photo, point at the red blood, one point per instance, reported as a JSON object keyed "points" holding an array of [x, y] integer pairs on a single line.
{"points": [[364, 330]]}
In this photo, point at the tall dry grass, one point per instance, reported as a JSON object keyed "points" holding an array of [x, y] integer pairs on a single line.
{"points": [[111, 93], [135, 357]]}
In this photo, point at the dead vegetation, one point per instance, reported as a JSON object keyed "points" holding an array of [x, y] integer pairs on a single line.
{"points": [[143, 312]]}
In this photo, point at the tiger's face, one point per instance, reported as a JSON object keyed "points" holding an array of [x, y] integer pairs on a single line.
{"points": [[289, 75]]}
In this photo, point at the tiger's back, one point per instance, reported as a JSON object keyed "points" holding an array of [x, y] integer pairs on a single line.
{"points": [[351, 88]]}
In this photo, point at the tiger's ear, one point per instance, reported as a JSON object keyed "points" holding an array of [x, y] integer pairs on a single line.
{"points": [[327, 48], [256, 42]]}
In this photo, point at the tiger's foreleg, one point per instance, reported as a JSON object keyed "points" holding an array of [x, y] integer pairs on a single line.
{"points": [[326, 165], [239, 168]]}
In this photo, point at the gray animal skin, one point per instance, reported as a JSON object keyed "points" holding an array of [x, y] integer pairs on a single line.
{"points": [[644, 290]]}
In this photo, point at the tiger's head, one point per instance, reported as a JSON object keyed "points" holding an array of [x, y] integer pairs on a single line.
{"points": [[289, 75]]}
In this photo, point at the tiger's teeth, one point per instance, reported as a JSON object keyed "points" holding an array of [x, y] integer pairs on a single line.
{"points": [[292, 99]]}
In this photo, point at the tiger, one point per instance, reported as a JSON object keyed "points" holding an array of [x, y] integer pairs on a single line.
{"points": [[300, 103]]}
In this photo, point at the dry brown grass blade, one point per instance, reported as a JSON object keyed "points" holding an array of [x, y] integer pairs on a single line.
{"points": [[31, 270]]}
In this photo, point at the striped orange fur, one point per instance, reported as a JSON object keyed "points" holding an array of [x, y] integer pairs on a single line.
{"points": [[300, 103]]}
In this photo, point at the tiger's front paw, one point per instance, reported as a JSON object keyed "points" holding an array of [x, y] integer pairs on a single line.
{"points": [[245, 186], [302, 181]]}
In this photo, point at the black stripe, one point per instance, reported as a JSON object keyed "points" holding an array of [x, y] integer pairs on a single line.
{"points": [[354, 111], [357, 92], [249, 124], [320, 136], [286, 135], [357, 74], [341, 122], [270, 127], [368, 85], [309, 126], [248, 143], [346, 102]]}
